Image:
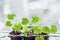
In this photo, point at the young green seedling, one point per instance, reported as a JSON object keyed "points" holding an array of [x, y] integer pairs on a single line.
{"points": [[17, 27], [10, 17], [38, 30], [26, 30], [45, 29], [25, 21]]}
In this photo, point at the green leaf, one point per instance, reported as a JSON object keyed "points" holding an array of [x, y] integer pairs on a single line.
{"points": [[25, 34], [40, 27], [36, 30], [8, 24], [40, 38], [46, 30], [26, 29], [17, 27], [35, 19], [10, 16], [25, 21], [53, 28]]}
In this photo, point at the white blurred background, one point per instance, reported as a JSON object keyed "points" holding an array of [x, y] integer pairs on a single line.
{"points": [[49, 10]]}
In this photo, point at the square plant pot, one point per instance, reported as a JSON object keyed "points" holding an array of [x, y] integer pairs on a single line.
{"points": [[29, 38], [16, 38], [46, 38]]}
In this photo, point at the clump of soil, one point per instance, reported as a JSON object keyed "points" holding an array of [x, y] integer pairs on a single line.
{"points": [[43, 33]]}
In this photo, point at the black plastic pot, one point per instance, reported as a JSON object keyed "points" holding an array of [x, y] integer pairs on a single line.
{"points": [[29, 38], [16, 38], [46, 38]]}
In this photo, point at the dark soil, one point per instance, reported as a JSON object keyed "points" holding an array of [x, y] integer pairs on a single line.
{"points": [[15, 33], [43, 33]]}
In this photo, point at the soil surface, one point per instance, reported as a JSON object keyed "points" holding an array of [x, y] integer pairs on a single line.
{"points": [[15, 33], [43, 33]]}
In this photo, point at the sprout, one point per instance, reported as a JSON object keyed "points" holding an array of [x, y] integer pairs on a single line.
{"points": [[17, 27], [26, 30]]}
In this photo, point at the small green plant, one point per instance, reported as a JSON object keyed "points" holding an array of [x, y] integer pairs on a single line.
{"points": [[26, 28], [44, 29], [16, 27], [39, 29]]}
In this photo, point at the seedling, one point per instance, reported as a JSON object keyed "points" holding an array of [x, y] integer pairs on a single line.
{"points": [[45, 30], [16, 27], [27, 30]]}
